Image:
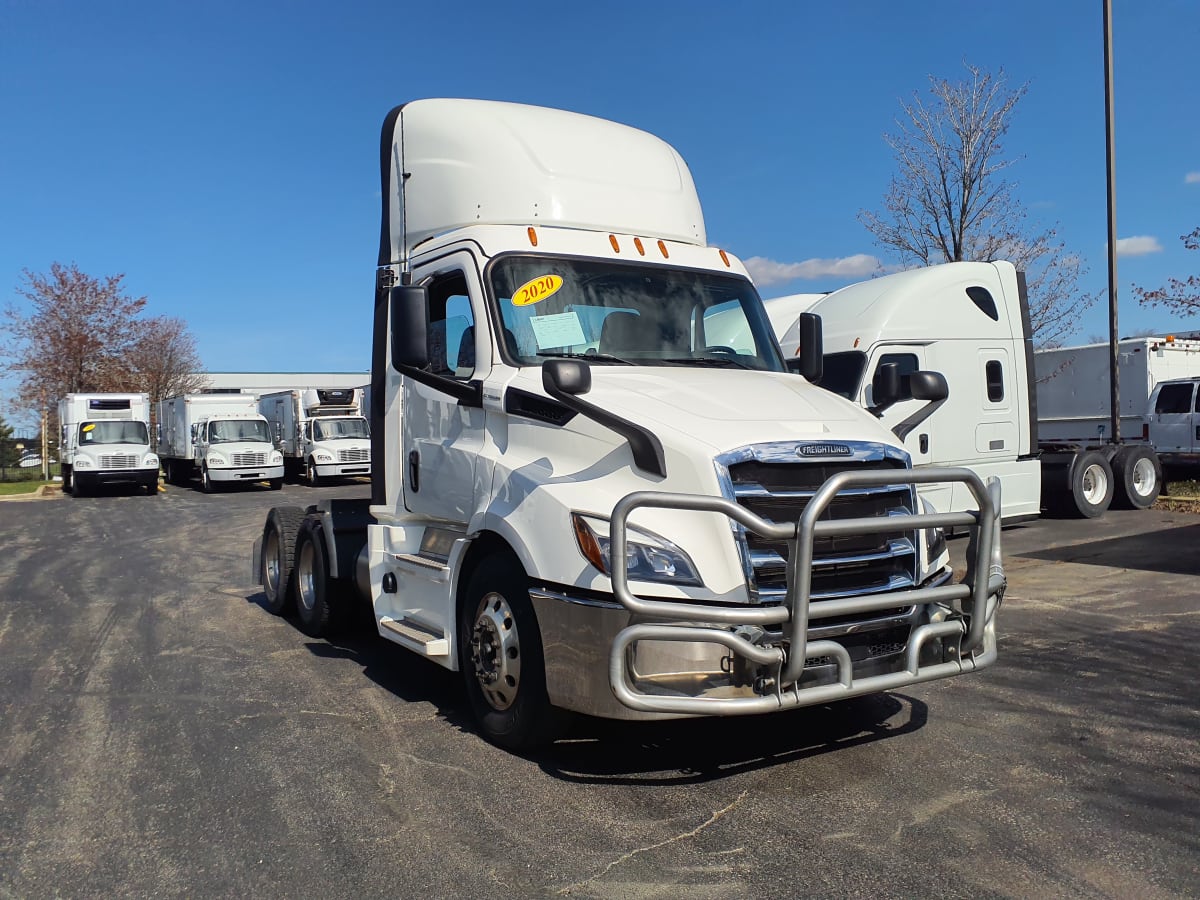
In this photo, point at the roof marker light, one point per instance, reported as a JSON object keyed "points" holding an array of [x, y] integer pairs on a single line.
{"points": [[612, 239], [856, 340], [662, 248], [532, 237], [637, 242], [724, 258]]}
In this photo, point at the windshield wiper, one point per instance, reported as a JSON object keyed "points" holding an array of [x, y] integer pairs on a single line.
{"points": [[720, 361], [591, 357]]}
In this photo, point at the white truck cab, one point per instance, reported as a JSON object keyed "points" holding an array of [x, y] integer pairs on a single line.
{"points": [[219, 437], [106, 440], [320, 431], [1173, 421], [564, 375]]}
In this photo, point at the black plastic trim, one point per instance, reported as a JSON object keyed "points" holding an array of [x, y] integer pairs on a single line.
{"points": [[534, 406]]}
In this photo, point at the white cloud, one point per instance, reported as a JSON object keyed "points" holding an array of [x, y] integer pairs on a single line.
{"points": [[1191, 178], [767, 271], [1139, 245]]}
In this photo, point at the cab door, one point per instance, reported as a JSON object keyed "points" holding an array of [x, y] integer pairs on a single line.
{"points": [[908, 358], [441, 438], [1172, 422]]}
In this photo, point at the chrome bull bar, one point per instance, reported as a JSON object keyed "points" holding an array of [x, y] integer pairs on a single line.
{"points": [[979, 594]]}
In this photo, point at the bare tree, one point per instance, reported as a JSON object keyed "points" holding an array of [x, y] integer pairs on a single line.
{"points": [[1181, 296], [949, 200], [76, 336], [163, 361]]}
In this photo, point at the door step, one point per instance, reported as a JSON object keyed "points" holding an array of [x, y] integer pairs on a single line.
{"points": [[421, 637]]}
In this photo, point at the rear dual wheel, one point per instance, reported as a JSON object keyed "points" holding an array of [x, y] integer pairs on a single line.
{"points": [[1138, 476], [277, 557]]}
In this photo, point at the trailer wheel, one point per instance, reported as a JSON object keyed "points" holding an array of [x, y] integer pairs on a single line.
{"points": [[277, 556], [500, 654], [1138, 476], [316, 606], [1092, 484]]}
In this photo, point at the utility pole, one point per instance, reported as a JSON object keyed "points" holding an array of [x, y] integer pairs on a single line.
{"points": [[1114, 386], [45, 452]]}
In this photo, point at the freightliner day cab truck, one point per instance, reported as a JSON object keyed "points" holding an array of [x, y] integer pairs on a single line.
{"points": [[320, 431], [1007, 407], [106, 440], [545, 400], [220, 437]]}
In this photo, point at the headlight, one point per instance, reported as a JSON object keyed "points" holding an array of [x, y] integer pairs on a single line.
{"points": [[935, 538], [647, 556], [276, 458], [216, 460], [150, 460], [82, 462]]}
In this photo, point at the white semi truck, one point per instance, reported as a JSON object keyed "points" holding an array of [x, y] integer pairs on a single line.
{"points": [[545, 400], [106, 440], [320, 431], [1037, 420], [219, 437]]}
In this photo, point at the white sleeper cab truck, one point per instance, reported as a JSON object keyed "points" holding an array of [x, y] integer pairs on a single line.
{"points": [[964, 320], [320, 431], [219, 437], [106, 440], [581, 500]]}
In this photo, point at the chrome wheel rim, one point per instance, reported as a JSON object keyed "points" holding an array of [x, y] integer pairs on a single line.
{"points": [[305, 583], [1095, 484], [272, 566], [1145, 481], [496, 651]]}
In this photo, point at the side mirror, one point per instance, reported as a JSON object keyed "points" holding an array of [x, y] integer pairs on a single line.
{"points": [[928, 386], [885, 387], [409, 322], [568, 376], [812, 350]]}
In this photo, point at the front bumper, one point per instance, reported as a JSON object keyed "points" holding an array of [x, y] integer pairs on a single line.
{"points": [[93, 478], [249, 473], [343, 470]]}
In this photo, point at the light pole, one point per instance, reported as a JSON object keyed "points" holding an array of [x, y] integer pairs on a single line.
{"points": [[1114, 385]]}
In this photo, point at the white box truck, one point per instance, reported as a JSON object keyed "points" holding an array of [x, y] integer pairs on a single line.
{"points": [[106, 440], [320, 431], [222, 438], [545, 400]]}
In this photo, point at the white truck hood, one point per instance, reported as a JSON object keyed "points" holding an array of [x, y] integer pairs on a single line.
{"points": [[722, 409]]}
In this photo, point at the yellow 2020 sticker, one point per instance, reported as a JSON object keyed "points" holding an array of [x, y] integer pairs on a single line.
{"points": [[88, 427], [535, 290]]}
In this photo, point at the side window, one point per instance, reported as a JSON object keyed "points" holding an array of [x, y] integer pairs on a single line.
{"points": [[1197, 406], [1174, 398], [994, 371], [308, 430], [907, 364], [451, 327]]}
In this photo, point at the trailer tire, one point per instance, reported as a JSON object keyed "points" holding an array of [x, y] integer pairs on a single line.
{"points": [[316, 601], [500, 655], [1091, 485], [1138, 475], [277, 557]]}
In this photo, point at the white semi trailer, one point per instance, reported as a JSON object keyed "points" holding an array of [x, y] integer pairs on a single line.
{"points": [[106, 440], [320, 431], [219, 437], [546, 400]]}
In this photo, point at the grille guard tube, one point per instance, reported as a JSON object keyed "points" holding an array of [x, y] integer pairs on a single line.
{"points": [[980, 593]]}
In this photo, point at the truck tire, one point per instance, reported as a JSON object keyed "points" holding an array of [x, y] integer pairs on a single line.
{"points": [[500, 655], [1138, 476], [1091, 485], [276, 484], [316, 600], [68, 483], [206, 483], [277, 556], [310, 474]]}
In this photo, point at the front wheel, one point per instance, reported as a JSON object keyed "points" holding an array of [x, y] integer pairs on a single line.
{"points": [[500, 654], [206, 483], [276, 484], [311, 476]]}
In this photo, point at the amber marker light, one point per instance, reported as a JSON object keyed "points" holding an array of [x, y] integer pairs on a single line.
{"points": [[532, 237], [724, 258], [637, 242], [588, 545], [612, 239], [662, 248]]}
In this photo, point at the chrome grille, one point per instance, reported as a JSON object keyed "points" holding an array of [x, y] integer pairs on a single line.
{"points": [[850, 565], [363, 455], [118, 461], [249, 459]]}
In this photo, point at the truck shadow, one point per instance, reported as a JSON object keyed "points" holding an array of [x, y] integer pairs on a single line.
{"points": [[1152, 552]]}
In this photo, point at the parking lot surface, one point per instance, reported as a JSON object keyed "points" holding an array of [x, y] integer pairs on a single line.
{"points": [[164, 735]]}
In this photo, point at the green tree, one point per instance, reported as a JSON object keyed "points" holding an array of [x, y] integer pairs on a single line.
{"points": [[8, 450]]}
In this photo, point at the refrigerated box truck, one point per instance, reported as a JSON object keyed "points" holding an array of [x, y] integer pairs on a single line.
{"points": [[221, 438], [106, 440], [321, 432]]}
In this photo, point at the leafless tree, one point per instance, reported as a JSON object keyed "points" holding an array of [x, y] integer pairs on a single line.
{"points": [[163, 361], [950, 201], [1180, 296]]}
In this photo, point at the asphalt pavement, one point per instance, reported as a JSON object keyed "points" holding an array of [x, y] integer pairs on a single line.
{"points": [[164, 735]]}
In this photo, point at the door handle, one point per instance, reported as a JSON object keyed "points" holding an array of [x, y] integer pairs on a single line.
{"points": [[414, 470], [924, 443]]}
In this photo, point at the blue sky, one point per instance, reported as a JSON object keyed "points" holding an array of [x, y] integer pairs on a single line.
{"points": [[224, 155]]}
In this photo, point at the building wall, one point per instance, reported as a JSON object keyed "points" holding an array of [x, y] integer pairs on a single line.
{"points": [[259, 383]]}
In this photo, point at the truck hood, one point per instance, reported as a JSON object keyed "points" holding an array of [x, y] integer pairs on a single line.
{"points": [[723, 409]]}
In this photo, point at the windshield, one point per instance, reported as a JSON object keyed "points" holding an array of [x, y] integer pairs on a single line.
{"points": [[113, 432], [340, 429], [226, 431], [613, 312], [843, 372]]}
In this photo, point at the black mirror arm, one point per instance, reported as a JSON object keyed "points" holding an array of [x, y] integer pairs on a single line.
{"points": [[647, 448], [467, 393], [905, 428]]}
